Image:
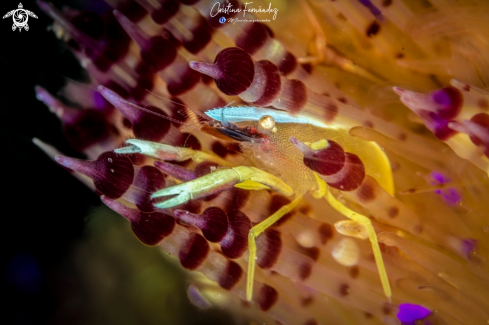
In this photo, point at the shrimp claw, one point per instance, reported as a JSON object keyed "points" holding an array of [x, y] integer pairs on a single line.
{"points": [[219, 181]]}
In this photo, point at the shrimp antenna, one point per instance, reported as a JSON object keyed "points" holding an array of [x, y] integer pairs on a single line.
{"points": [[227, 105], [223, 120], [194, 111], [186, 139], [106, 93]]}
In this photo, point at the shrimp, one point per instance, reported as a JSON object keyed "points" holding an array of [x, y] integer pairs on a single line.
{"points": [[278, 145]]}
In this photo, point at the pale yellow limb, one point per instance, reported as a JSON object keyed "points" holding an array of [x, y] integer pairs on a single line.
{"points": [[372, 236], [256, 175], [251, 186], [322, 188], [169, 153], [255, 232], [219, 181]]}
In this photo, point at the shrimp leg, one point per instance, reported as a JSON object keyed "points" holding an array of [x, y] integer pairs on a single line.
{"points": [[345, 172], [372, 236], [255, 232]]}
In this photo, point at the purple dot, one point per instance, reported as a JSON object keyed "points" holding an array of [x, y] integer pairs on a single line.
{"points": [[409, 313], [469, 245], [451, 196], [439, 177], [449, 102]]}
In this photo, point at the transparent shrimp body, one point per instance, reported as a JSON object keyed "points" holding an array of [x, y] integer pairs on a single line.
{"points": [[279, 166], [276, 154]]}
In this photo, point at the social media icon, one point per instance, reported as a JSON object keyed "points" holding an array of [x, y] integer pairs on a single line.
{"points": [[222, 20]]}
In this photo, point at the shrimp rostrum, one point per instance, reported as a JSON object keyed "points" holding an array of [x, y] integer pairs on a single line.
{"points": [[294, 156]]}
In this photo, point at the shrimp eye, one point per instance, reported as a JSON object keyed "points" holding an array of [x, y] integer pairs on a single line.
{"points": [[267, 122]]}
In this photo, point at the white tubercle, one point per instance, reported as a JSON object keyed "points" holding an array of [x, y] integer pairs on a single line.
{"points": [[346, 252]]}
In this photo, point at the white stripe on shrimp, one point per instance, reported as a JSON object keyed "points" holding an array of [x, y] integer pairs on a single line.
{"points": [[236, 114]]}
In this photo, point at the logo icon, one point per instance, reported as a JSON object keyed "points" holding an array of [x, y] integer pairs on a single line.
{"points": [[20, 17], [222, 20]]}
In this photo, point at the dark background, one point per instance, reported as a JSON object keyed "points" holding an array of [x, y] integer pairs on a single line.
{"points": [[43, 207]]}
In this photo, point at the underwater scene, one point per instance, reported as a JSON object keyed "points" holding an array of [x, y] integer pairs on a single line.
{"points": [[269, 162]]}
